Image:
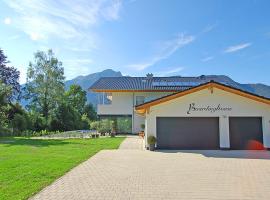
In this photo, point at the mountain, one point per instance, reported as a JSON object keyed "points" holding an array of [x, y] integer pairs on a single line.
{"points": [[86, 81], [255, 88]]}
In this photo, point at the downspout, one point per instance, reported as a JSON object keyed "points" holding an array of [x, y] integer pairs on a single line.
{"points": [[133, 112]]}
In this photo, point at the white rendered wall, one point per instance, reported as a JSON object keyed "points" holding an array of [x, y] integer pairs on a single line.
{"points": [[123, 104], [241, 106]]}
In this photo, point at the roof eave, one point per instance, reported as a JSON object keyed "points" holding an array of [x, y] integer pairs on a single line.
{"points": [[118, 90]]}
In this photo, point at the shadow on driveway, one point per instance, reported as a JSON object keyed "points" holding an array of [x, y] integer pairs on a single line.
{"points": [[244, 154]]}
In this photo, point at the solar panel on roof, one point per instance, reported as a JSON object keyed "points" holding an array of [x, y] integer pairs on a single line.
{"points": [[178, 83], [155, 84]]}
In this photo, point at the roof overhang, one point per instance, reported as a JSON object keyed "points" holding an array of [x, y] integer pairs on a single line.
{"points": [[144, 108], [106, 90]]}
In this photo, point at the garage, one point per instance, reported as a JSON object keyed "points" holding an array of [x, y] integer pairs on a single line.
{"points": [[246, 133], [208, 116], [187, 133]]}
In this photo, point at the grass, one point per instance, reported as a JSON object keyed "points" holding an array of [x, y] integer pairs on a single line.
{"points": [[28, 165]]}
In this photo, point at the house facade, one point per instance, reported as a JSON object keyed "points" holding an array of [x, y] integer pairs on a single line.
{"points": [[187, 112]]}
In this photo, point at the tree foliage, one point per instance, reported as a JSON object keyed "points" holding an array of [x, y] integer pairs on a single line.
{"points": [[50, 107], [9, 76], [45, 83], [90, 112], [5, 92], [19, 123], [66, 118], [76, 97]]}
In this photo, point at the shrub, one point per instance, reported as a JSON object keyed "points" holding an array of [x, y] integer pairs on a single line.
{"points": [[151, 139], [105, 126], [36, 121], [41, 133], [5, 132], [94, 135], [94, 125], [19, 124]]}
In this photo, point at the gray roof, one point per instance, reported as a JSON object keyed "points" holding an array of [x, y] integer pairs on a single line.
{"points": [[176, 83]]}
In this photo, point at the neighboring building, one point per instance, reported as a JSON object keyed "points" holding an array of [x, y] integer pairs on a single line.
{"points": [[186, 112]]}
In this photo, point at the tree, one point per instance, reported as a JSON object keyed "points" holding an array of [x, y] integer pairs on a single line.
{"points": [[105, 126], [15, 109], [5, 92], [66, 118], [36, 121], [90, 112], [94, 125], [19, 123], [9, 76], [76, 97], [45, 83]]}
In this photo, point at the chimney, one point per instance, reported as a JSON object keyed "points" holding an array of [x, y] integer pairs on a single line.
{"points": [[202, 77], [149, 75]]}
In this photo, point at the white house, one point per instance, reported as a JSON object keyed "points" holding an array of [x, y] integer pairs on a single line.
{"points": [[187, 112]]}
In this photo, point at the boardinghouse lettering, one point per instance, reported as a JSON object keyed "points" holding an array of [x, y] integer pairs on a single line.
{"points": [[212, 109]]}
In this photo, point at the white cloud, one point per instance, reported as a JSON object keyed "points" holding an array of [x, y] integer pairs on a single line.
{"points": [[171, 71], [207, 58], [7, 21], [65, 19], [77, 68], [112, 12], [167, 48], [235, 48], [178, 69], [209, 28]]}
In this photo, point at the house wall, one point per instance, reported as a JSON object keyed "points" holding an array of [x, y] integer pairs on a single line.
{"points": [[241, 106], [123, 104], [138, 119]]}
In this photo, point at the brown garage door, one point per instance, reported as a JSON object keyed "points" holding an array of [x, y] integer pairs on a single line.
{"points": [[187, 133], [246, 133]]}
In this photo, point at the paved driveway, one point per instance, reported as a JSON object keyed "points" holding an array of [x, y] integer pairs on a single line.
{"points": [[139, 174]]}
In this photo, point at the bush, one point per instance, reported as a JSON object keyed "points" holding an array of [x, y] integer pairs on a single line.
{"points": [[94, 125], [105, 126], [36, 122], [151, 139], [94, 135], [55, 125], [41, 133], [84, 122], [66, 118], [5, 132], [19, 124]]}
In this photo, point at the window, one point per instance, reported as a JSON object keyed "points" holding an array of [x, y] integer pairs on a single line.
{"points": [[108, 97], [123, 122], [139, 100], [105, 98]]}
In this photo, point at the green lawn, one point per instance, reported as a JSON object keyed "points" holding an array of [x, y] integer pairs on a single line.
{"points": [[28, 165]]}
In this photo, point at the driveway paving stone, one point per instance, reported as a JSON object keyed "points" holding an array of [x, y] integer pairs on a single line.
{"points": [[188, 175]]}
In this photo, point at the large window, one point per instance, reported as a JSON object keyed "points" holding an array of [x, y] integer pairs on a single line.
{"points": [[123, 122], [105, 98], [139, 100]]}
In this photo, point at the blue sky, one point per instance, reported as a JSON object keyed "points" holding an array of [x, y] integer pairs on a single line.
{"points": [[176, 37]]}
